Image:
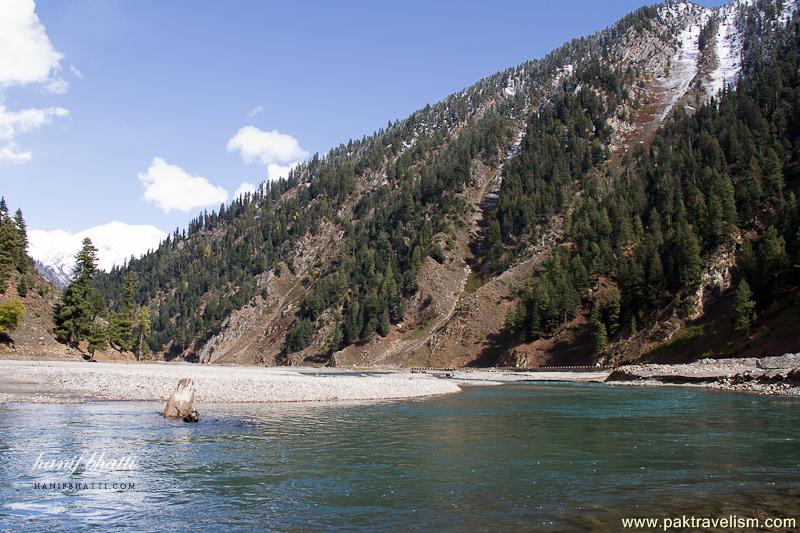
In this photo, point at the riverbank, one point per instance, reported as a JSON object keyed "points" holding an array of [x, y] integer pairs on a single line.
{"points": [[778, 375], [75, 381], [489, 376], [766, 375]]}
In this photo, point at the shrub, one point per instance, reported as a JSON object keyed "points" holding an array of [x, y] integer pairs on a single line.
{"points": [[11, 314]]}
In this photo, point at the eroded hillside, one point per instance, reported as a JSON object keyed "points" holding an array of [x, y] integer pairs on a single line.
{"points": [[444, 239]]}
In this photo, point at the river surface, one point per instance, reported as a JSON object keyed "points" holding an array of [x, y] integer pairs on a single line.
{"points": [[521, 456]]}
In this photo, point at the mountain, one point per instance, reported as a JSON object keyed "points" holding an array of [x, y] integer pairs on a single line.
{"points": [[603, 204], [26, 299], [116, 242]]}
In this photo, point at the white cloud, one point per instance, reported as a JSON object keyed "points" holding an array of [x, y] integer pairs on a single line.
{"points": [[57, 86], [275, 171], [26, 56], [257, 110], [12, 123], [170, 187], [277, 151], [15, 122], [11, 153], [75, 72], [244, 188]]}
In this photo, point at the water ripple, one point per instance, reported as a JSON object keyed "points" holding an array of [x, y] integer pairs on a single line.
{"points": [[516, 456]]}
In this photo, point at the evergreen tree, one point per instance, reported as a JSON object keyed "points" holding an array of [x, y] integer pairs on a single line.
{"points": [[143, 330], [97, 338], [610, 312], [743, 308], [300, 336], [122, 321], [80, 303], [336, 339], [21, 246], [383, 323], [8, 243], [22, 286], [773, 174], [599, 334], [773, 263], [686, 255]]}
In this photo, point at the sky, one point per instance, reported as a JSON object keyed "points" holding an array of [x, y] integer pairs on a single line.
{"points": [[147, 112]]}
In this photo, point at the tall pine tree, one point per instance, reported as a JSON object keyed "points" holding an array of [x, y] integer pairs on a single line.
{"points": [[74, 317]]}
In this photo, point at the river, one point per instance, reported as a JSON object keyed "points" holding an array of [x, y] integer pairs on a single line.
{"points": [[520, 456]]}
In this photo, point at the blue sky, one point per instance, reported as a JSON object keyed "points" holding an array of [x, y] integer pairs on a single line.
{"points": [[159, 89]]}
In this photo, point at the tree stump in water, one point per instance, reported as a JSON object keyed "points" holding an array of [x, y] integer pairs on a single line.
{"points": [[180, 404]]}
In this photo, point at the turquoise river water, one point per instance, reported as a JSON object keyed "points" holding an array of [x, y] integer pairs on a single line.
{"points": [[513, 457]]}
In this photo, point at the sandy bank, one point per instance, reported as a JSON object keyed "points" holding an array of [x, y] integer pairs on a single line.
{"points": [[68, 381], [498, 377]]}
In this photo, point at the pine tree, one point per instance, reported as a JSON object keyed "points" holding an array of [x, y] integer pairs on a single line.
{"points": [[354, 323], [8, 249], [141, 347], [79, 306], [21, 249], [122, 322], [513, 323], [383, 323], [599, 334], [532, 321], [773, 263], [773, 174], [22, 287], [97, 338], [743, 308], [611, 310], [686, 255], [300, 336], [370, 315], [336, 339]]}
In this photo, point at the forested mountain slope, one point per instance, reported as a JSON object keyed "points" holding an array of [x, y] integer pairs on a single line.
{"points": [[589, 206], [26, 299]]}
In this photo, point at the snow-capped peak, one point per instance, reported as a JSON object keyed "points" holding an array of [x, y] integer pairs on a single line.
{"points": [[116, 242]]}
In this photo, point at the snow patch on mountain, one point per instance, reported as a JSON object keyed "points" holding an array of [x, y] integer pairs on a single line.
{"points": [[683, 66], [788, 10], [54, 251], [728, 51]]}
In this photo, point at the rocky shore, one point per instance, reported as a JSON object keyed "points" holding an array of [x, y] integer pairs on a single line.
{"points": [[73, 381], [778, 375]]}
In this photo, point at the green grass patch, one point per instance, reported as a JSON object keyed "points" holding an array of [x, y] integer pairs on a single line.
{"points": [[679, 341], [418, 333], [474, 282]]}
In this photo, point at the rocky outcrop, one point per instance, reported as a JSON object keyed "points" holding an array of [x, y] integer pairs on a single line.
{"points": [[716, 278]]}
